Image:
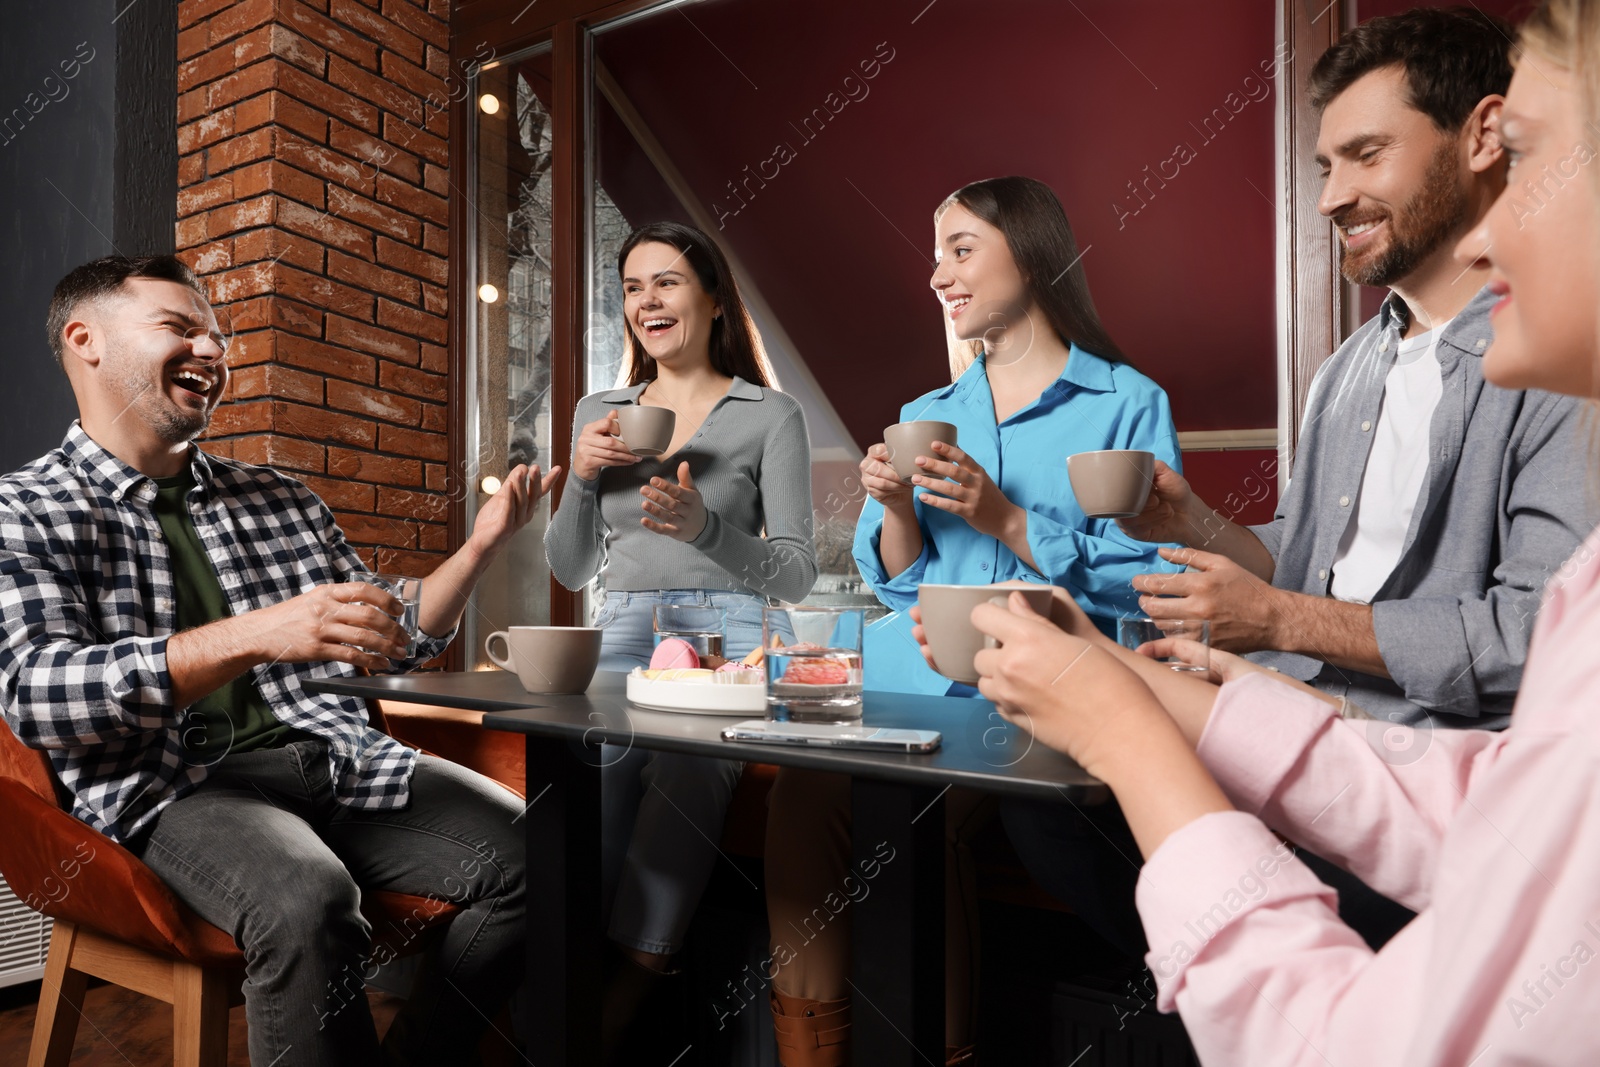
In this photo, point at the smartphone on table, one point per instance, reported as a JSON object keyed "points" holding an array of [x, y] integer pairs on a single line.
{"points": [[827, 735]]}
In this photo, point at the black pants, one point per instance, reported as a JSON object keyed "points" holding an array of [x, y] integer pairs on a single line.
{"points": [[1086, 858]]}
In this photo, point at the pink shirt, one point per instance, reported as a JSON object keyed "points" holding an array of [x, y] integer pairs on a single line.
{"points": [[1493, 838]]}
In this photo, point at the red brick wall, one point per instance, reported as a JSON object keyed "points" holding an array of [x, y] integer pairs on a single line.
{"points": [[312, 186]]}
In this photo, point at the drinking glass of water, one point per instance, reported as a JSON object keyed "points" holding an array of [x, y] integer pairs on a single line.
{"points": [[406, 590], [815, 674], [702, 625], [1134, 631]]}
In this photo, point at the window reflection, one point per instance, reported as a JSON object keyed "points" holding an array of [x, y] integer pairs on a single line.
{"points": [[510, 415]]}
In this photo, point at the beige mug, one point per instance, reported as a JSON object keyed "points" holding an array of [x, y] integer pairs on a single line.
{"points": [[548, 659], [908, 440], [947, 621], [646, 430], [1113, 484]]}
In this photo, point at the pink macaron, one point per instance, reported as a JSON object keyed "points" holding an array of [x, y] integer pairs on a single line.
{"points": [[674, 652]]}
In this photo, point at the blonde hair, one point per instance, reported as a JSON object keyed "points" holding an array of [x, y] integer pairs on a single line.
{"points": [[1567, 33]]}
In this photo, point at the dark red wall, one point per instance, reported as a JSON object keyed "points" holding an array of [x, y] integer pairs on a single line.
{"points": [[1243, 485], [1084, 96]]}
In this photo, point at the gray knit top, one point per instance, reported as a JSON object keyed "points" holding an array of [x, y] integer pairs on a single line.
{"points": [[751, 462]]}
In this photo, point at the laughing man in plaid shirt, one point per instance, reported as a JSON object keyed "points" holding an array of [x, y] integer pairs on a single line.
{"points": [[162, 609]]}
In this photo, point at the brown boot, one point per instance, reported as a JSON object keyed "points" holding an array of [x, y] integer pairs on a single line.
{"points": [[960, 1057], [811, 1033]]}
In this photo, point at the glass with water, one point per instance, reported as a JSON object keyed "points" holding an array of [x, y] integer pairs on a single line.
{"points": [[814, 672], [1133, 632], [406, 590], [702, 625]]}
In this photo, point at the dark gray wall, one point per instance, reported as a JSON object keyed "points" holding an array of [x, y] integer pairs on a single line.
{"points": [[88, 166]]}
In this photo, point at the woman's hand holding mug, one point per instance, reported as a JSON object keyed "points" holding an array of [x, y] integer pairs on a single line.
{"points": [[1069, 691], [597, 447], [881, 482]]}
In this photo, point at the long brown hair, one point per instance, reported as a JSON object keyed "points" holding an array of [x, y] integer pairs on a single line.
{"points": [[736, 347], [1028, 215]]}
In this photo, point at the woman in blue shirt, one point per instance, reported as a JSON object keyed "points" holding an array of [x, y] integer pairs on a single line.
{"points": [[1035, 379]]}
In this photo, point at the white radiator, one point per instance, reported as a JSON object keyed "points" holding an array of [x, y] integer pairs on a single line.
{"points": [[24, 939]]}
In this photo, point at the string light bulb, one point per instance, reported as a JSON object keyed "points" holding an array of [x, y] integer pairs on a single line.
{"points": [[488, 293], [489, 104], [490, 484]]}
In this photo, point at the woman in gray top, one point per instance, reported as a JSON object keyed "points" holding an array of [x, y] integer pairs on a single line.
{"points": [[722, 518]]}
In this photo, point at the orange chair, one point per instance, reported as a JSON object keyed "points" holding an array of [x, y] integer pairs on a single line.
{"points": [[458, 736], [116, 920]]}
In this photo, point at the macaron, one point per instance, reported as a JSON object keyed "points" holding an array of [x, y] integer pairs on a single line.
{"points": [[674, 652]]}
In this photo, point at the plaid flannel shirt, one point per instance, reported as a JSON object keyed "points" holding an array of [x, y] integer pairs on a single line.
{"points": [[86, 592]]}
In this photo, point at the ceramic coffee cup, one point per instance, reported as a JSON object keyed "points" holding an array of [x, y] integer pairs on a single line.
{"points": [[548, 659], [645, 429], [1114, 484], [947, 621], [908, 440]]}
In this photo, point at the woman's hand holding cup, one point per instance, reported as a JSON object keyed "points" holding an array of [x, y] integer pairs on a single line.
{"points": [[882, 482], [598, 447], [1071, 692], [1060, 678], [1065, 614]]}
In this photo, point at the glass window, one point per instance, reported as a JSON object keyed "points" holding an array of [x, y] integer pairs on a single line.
{"points": [[509, 359]]}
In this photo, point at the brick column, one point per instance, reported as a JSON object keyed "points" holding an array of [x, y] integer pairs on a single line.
{"points": [[312, 197]]}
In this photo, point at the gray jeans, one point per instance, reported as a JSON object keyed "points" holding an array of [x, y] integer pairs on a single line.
{"points": [[262, 850]]}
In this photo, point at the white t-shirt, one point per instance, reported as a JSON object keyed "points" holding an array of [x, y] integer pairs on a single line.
{"points": [[1397, 469]]}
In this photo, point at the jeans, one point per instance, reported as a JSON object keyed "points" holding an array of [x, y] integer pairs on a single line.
{"points": [[264, 851], [661, 813]]}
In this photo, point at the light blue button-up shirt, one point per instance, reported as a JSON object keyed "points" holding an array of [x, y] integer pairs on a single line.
{"points": [[1095, 404]]}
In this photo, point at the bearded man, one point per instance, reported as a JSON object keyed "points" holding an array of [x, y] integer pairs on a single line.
{"points": [[163, 608], [1427, 508]]}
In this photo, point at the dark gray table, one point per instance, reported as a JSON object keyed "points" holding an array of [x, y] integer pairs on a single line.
{"points": [[897, 807]]}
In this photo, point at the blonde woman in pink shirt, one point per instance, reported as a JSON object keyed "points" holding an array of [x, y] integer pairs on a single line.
{"points": [[1494, 839]]}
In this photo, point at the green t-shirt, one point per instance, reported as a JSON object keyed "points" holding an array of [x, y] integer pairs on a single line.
{"points": [[235, 718]]}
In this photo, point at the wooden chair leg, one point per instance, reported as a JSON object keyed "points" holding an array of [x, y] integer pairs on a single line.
{"points": [[55, 1025], [199, 1016]]}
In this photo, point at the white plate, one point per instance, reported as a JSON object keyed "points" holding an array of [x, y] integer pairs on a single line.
{"points": [[697, 698]]}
